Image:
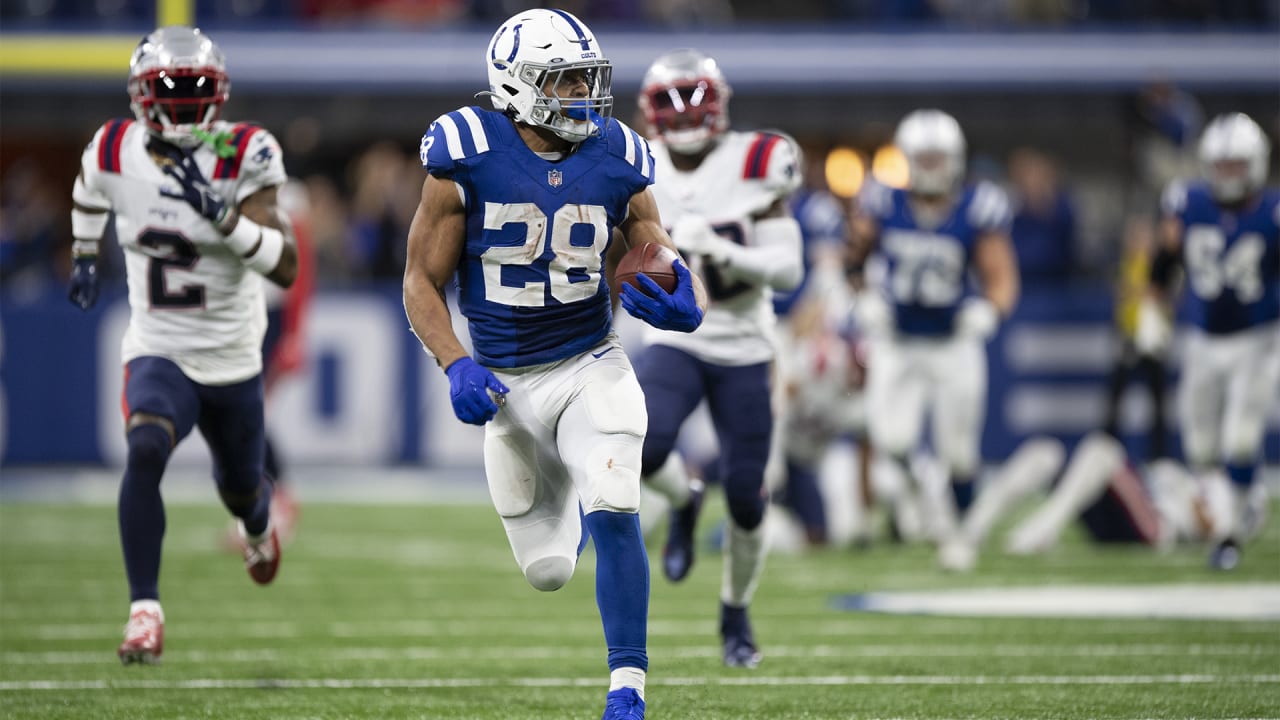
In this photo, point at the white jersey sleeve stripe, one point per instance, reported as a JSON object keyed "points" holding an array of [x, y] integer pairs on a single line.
{"points": [[644, 154], [477, 129], [451, 137], [631, 148]]}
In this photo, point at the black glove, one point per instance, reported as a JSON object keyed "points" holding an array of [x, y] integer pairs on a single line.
{"points": [[195, 189], [84, 283]]}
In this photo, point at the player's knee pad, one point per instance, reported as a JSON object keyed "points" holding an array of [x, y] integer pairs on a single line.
{"points": [[149, 445], [746, 509], [549, 573], [1242, 446], [616, 411], [613, 475], [510, 461]]}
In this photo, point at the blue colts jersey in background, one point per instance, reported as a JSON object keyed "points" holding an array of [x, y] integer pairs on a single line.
{"points": [[1232, 258], [928, 268], [531, 277]]}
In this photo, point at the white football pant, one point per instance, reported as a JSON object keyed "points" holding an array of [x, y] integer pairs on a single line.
{"points": [[570, 432]]}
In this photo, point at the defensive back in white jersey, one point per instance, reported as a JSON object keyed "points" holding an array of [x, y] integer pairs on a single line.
{"points": [[192, 299], [741, 178]]}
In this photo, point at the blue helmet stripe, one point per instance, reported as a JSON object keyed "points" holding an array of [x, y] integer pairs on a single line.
{"points": [[582, 38]]}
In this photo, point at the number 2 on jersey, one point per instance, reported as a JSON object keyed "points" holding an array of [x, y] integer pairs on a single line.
{"points": [[170, 250], [574, 270]]}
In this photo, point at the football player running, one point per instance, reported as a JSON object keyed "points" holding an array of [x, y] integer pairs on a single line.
{"points": [[520, 205], [927, 327], [1223, 232], [196, 214], [724, 194]]}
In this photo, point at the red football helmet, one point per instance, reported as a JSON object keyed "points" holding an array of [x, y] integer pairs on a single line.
{"points": [[685, 100]]}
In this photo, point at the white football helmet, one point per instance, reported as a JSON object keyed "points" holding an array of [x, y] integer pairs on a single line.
{"points": [[933, 144], [178, 83], [1233, 154], [685, 100], [539, 54]]}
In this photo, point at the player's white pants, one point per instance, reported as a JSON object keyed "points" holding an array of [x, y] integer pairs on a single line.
{"points": [[907, 377], [570, 431], [1229, 384]]}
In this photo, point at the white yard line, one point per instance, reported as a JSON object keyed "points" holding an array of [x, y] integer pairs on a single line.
{"points": [[737, 681], [710, 650]]}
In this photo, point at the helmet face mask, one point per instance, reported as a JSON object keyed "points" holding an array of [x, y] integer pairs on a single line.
{"points": [[546, 70], [178, 83], [934, 147], [1233, 154], [685, 100]]}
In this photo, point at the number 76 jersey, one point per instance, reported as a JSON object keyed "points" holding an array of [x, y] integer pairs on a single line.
{"points": [[191, 298], [1232, 259]]}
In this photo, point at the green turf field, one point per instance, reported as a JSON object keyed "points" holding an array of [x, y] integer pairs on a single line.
{"points": [[417, 611]]}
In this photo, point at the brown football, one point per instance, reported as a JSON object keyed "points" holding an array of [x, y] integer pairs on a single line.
{"points": [[653, 260]]}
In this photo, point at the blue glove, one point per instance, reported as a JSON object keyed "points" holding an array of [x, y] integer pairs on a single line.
{"points": [[84, 283], [678, 311], [469, 386], [195, 189]]}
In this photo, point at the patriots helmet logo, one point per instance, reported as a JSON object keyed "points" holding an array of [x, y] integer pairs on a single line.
{"points": [[555, 178]]}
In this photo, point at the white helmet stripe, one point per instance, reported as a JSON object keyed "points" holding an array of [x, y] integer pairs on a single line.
{"points": [[477, 129], [452, 140]]}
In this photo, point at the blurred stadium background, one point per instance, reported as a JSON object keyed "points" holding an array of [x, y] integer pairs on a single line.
{"points": [[1083, 109]]}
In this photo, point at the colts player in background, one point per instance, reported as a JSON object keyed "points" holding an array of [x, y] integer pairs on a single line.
{"points": [[520, 205], [725, 196], [196, 213], [926, 327], [1225, 232]]}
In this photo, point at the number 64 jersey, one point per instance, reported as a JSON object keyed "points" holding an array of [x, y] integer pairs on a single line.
{"points": [[1232, 259], [192, 299]]}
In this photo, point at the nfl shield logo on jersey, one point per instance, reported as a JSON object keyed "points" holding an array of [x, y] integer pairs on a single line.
{"points": [[554, 178]]}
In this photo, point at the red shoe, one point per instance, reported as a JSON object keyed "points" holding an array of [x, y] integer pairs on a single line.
{"points": [[143, 635], [262, 559]]}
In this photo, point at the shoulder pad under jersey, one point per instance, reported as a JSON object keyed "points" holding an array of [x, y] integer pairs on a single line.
{"points": [[875, 200], [1173, 201], [989, 208], [625, 143], [451, 139], [774, 159], [103, 152]]}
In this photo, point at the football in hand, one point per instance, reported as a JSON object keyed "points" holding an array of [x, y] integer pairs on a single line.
{"points": [[653, 260]]}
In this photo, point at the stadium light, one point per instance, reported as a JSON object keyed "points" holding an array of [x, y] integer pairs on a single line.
{"points": [[889, 166], [845, 171]]}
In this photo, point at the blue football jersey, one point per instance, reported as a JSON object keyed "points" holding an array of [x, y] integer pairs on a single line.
{"points": [[1232, 259], [928, 268], [531, 277]]}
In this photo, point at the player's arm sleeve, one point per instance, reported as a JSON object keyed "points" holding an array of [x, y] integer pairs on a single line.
{"points": [[262, 165], [991, 217], [776, 258], [90, 206]]}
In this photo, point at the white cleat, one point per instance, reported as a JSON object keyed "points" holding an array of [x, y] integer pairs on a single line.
{"points": [[957, 555]]}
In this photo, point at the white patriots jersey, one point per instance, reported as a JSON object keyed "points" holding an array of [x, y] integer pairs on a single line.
{"points": [[740, 179], [192, 299]]}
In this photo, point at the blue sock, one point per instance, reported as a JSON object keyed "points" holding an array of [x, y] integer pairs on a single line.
{"points": [[141, 510], [962, 492], [1241, 475], [622, 586], [734, 622]]}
